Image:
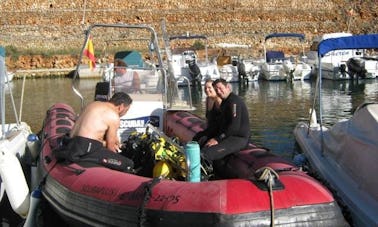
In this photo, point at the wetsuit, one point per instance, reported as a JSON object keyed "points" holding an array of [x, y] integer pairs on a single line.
{"points": [[233, 133], [84, 150], [213, 118]]}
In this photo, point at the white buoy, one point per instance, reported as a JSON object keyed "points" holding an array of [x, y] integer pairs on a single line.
{"points": [[313, 119], [14, 183], [35, 198]]}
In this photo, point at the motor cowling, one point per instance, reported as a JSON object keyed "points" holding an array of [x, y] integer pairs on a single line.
{"points": [[356, 66]]}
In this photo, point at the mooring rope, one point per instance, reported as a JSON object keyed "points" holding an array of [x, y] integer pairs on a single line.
{"points": [[268, 174], [147, 196], [22, 96]]}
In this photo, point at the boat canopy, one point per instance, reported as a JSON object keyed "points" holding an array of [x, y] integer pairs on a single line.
{"points": [[132, 58], [289, 35], [350, 42]]}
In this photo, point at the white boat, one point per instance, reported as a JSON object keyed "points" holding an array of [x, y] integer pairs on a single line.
{"points": [[240, 69], [345, 155], [342, 64], [185, 62], [277, 66], [13, 143], [234, 68]]}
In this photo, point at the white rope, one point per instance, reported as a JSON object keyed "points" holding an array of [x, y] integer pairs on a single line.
{"points": [[22, 96], [12, 99]]}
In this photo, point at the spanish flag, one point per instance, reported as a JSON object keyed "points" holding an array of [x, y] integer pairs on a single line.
{"points": [[89, 52]]}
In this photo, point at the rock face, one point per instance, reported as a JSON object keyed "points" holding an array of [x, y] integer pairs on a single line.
{"points": [[53, 26]]}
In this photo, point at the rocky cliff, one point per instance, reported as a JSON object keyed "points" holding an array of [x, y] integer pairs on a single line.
{"points": [[53, 26]]}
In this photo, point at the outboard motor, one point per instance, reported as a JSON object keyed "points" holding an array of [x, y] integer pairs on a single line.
{"points": [[343, 70], [356, 66], [195, 73], [234, 61], [241, 72]]}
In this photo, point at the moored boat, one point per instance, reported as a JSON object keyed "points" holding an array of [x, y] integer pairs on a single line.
{"points": [[234, 67], [277, 66], [185, 63], [14, 140], [342, 64], [263, 189], [344, 154]]}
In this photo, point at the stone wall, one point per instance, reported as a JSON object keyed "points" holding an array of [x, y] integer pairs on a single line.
{"points": [[54, 25]]}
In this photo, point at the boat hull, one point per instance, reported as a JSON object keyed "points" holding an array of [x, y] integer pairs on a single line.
{"points": [[344, 156]]}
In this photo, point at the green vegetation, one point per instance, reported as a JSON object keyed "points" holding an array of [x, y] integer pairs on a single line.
{"points": [[198, 45], [15, 52]]}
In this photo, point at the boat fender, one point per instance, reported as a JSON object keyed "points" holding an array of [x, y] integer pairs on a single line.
{"points": [[33, 145], [299, 160], [14, 183], [192, 152], [35, 199]]}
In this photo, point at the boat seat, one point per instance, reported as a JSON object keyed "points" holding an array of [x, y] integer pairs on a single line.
{"points": [[272, 56], [102, 91]]}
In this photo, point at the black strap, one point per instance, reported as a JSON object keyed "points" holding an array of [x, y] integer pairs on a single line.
{"points": [[147, 196]]}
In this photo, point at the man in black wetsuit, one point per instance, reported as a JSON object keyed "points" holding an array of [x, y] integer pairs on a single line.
{"points": [[234, 132]]}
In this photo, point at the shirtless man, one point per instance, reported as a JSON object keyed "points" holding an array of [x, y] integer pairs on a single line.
{"points": [[94, 135]]}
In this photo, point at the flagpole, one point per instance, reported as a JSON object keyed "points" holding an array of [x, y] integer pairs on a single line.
{"points": [[84, 9], [350, 14]]}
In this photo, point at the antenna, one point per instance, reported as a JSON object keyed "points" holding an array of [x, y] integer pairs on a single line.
{"points": [[84, 9]]}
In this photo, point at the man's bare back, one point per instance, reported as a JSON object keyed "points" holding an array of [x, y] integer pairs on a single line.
{"points": [[99, 121], [94, 137]]}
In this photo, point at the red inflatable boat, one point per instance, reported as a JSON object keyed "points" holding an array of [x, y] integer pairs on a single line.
{"points": [[98, 196]]}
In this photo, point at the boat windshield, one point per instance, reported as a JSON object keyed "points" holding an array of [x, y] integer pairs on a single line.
{"points": [[142, 73]]}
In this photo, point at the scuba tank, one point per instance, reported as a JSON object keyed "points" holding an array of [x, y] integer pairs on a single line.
{"points": [[192, 151]]}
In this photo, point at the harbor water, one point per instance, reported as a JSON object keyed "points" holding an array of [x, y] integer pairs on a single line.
{"points": [[274, 107]]}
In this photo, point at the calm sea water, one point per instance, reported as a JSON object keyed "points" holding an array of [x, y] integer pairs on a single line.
{"points": [[274, 107]]}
